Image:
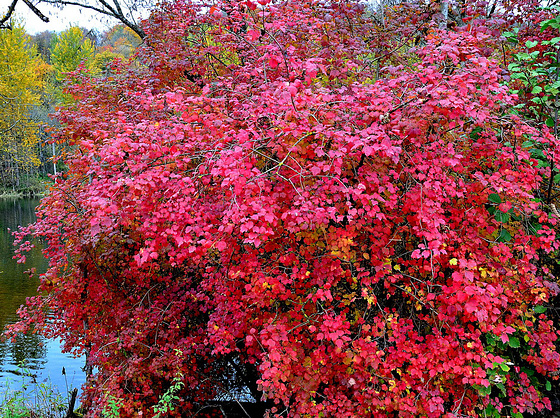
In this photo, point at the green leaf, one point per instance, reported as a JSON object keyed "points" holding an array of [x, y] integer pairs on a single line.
{"points": [[483, 390], [543, 164], [536, 90], [553, 23], [514, 342], [504, 367], [541, 71], [534, 54], [539, 309], [504, 236], [549, 122], [501, 216], [520, 76], [475, 133], [492, 412], [548, 386], [553, 41], [502, 388], [534, 228], [490, 339], [538, 153], [531, 44], [494, 198]]}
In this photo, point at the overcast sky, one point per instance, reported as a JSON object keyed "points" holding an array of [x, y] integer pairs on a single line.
{"points": [[60, 19]]}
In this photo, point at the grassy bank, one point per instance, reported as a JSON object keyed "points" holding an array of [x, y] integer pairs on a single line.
{"points": [[32, 399], [37, 400], [37, 188]]}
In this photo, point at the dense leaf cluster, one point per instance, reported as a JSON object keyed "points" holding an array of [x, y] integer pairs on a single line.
{"points": [[290, 202]]}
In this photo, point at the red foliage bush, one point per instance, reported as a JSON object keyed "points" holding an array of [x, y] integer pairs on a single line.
{"points": [[271, 204]]}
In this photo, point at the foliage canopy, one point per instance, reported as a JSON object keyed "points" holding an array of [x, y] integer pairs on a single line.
{"points": [[22, 78], [298, 203], [69, 50]]}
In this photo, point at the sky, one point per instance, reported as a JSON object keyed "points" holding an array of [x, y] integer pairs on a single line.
{"points": [[60, 19]]}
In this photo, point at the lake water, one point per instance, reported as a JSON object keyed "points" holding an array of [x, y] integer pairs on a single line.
{"points": [[32, 361]]}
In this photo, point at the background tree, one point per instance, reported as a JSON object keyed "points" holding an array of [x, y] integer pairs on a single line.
{"points": [[69, 50], [43, 42], [22, 78], [120, 40]]}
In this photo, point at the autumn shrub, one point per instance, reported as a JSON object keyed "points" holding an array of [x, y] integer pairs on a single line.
{"points": [[274, 208]]}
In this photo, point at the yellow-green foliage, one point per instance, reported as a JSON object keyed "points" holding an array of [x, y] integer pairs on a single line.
{"points": [[121, 40], [22, 75], [69, 50], [103, 60]]}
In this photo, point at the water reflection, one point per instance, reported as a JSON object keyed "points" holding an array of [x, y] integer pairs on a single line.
{"points": [[42, 359]]}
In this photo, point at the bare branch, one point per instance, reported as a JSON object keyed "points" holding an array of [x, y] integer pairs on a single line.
{"points": [[105, 8], [10, 12], [8, 15], [36, 11]]}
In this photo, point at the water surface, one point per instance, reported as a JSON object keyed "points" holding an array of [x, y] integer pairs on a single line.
{"points": [[31, 360]]}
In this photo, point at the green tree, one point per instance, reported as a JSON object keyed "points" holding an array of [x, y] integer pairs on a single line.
{"points": [[43, 42], [120, 40], [22, 75], [70, 49]]}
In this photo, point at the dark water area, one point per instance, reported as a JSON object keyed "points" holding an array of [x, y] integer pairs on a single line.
{"points": [[31, 360]]}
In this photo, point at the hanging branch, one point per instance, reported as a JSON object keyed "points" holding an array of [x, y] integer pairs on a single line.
{"points": [[104, 7], [36, 11], [8, 15], [10, 12]]}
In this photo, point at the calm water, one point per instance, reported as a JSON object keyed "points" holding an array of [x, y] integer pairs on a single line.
{"points": [[42, 359]]}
